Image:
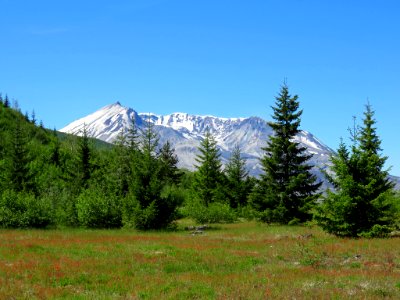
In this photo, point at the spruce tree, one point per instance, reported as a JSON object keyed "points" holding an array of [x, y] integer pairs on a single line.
{"points": [[127, 150], [362, 201], [237, 174], [208, 176], [287, 190], [6, 102], [33, 117], [132, 137], [170, 172], [120, 169], [26, 116], [85, 154], [147, 182], [55, 151], [19, 171], [153, 209]]}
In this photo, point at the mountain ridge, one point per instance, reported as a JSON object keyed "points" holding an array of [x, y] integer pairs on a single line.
{"points": [[185, 132]]}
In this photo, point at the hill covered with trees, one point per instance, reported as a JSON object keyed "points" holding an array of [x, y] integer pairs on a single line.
{"points": [[49, 179]]}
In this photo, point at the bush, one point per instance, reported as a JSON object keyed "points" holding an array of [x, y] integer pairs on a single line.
{"points": [[145, 218], [159, 214], [213, 213], [247, 212], [23, 210], [65, 209], [96, 210], [396, 207], [377, 231]]}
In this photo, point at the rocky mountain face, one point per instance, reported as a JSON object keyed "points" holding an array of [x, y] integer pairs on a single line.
{"points": [[185, 131]]}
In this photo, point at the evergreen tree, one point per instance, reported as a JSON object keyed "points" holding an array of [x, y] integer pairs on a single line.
{"points": [[362, 201], [133, 137], [237, 174], [120, 182], [168, 159], [26, 117], [55, 152], [33, 117], [287, 190], [6, 102], [121, 171], [19, 171], [151, 209], [84, 158], [147, 182], [126, 152], [208, 177]]}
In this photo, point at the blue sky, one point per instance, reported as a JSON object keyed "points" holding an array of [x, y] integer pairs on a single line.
{"points": [[65, 59]]}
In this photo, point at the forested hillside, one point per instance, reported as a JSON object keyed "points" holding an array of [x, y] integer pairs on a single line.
{"points": [[54, 179], [49, 179]]}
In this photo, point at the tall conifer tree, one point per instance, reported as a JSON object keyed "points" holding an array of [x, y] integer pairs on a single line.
{"points": [[6, 102], [237, 174], [363, 195], [19, 172], [287, 190], [169, 160], [209, 176], [152, 209], [84, 158]]}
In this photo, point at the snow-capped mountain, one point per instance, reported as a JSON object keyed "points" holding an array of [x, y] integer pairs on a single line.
{"points": [[185, 132]]}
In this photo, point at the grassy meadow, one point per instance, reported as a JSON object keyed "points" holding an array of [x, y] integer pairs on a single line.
{"points": [[238, 261]]}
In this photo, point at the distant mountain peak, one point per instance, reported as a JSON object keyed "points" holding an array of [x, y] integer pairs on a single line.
{"points": [[185, 132]]}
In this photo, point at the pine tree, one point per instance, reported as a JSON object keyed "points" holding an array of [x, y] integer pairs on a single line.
{"points": [[362, 201], [146, 170], [152, 210], [287, 190], [33, 117], [121, 169], [55, 151], [132, 137], [124, 156], [237, 174], [209, 176], [19, 171], [85, 154], [6, 102], [170, 172], [370, 147]]}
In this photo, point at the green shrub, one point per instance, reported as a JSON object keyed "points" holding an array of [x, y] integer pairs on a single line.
{"points": [[247, 212], [160, 213], [145, 218], [65, 209], [213, 213], [96, 210], [377, 231], [23, 210]]}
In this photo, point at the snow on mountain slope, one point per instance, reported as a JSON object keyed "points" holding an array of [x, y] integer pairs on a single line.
{"points": [[185, 132], [106, 123]]}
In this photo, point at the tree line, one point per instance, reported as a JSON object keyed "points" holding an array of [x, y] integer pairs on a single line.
{"points": [[49, 179]]}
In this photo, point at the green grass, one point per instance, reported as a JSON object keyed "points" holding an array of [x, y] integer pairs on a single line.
{"points": [[238, 261]]}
